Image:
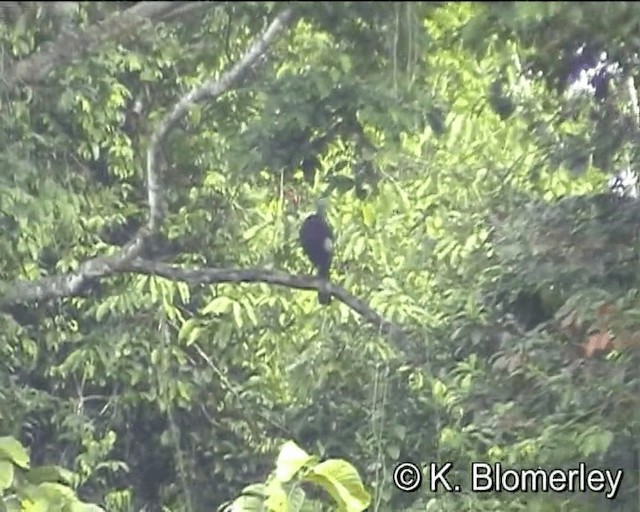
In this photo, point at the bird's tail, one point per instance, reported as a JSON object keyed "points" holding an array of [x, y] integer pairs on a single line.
{"points": [[324, 298]]}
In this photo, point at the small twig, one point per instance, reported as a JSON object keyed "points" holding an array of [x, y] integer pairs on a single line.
{"points": [[633, 96]]}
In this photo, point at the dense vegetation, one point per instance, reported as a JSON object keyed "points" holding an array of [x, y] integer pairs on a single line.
{"points": [[160, 332]]}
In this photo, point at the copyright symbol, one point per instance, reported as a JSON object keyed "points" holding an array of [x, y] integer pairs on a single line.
{"points": [[407, 477]]}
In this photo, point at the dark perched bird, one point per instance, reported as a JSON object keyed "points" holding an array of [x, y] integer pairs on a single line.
{"points": [[316, 238]]}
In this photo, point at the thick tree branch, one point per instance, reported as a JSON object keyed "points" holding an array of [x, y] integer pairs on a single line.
{"points": [[71, 284], [68, 285], [210, 275]]}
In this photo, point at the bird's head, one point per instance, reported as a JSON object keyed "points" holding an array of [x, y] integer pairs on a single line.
{"points": [[321, 206]]}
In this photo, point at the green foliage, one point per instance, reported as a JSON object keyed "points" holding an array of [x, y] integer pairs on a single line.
{"points": [[282, 491], [30, 489]]}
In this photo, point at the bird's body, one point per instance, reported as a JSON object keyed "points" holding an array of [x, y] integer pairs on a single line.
{"points": [[316, 238]]}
